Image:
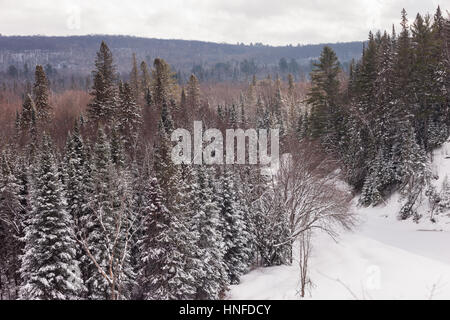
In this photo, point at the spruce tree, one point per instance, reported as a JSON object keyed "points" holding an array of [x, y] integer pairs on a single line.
{"points": [[11, 228], [403, 62], [145, 78], [163, 83], [278, 111], [108, 228], [193, 93], [413, 171], [129, 115], [233, 229], [103, 104], [74, 163], [41, 95], [373, 185], [135, 85], [323, 96], [170, 265], [422, 76], [117, 148], [49, 269], [291, 85], [203, 203], [163, 273], [26, 116], [99, 223]]}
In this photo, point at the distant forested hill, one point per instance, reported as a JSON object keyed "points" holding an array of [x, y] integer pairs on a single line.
{"points": [[75, 54]]}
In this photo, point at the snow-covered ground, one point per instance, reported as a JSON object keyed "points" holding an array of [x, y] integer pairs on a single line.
{"points": [[382, 258]]}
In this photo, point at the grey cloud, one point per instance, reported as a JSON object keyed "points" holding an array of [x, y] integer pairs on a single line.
{"points": [[268, 21]]}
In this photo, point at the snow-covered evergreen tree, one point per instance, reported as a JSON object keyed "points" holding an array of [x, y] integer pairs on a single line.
{"points": [[444, 203], [169, 251], [27, 113], [49, 266], [163, 262], [129, 115], [117, 148], [42, 95], [373, 185], [11, 228], [278, 112], [233, 228], [108, 228], [104, 93], [205, 223], [414, 172]]}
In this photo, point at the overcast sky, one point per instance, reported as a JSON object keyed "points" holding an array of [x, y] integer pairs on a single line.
{"points": [[275, 22]]}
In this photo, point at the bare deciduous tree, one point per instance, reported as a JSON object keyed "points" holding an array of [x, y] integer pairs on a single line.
{"points": [[304, 254], [310, 191], [311, 199]]}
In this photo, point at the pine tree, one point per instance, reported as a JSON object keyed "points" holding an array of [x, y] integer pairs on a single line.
{"points": [[203, 204], [74, 163], [145, 78], [163, 83], [403, 61], [101, 206], [251, 93], [413, 170], [291, 85], [23, 180], [262, 115], [243, 116], [301, 130], [108, 237], [324, 92], [97, 238], [373, 185], [26, 116], [170, 264], [438, 128], [135, 85], [422, 74], [163, 273], [162, 164], [183, 100], [245, 206], [102, 107], [78, 189], [193, 93], [148, 99], [11, 228], [278, 111], [252, 187], [233, 229], [41, 95], [129, 115], [86, 223], [49, 269], [367, 76], [116, 148]]}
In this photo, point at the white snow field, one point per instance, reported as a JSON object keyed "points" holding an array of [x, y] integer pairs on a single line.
{"points": [[382, 258]]}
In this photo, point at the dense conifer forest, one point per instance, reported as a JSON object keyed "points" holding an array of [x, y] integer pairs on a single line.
{"points": [[92, 206]]}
